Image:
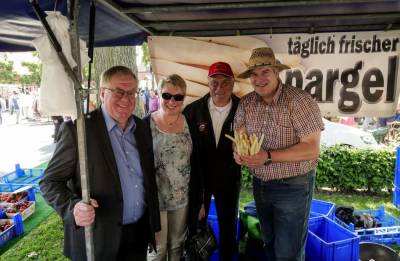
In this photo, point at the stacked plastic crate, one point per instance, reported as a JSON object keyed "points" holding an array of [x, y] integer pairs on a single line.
{"points": [[326, 241], [10, 228], [15, 206], [22, 177], [396, 192], [386, 232], [213, 221], [20, 201]]}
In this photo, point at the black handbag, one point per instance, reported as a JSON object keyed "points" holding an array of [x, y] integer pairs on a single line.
{"points": [[201, 246]]}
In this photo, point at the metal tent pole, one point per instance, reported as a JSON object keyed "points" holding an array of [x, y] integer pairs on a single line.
{"points": [[80, 122], [75, 75]]}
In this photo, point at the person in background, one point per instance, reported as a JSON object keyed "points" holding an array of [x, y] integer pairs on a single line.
{"points": [[57, 121], [15, 106], [175, 160], [146, 97], [123, 208], [153, 101], [284, 168], [212, 117]]}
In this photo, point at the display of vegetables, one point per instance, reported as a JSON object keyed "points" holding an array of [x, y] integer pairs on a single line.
{"points": [[13, 197], [16, 207]]}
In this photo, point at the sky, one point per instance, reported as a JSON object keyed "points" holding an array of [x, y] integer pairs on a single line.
{"points": [[18, 58]]}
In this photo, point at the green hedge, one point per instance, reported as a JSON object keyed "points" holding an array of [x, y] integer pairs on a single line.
{"points": [[349, 169]]}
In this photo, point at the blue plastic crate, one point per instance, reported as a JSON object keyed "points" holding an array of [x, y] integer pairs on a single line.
{"points": [[10, 187], [321, 208], [23, 177], [328, 241], [396, 192], [397, 168], [396, 197], [18, 188], [16, 229], [387, 233], [212, 219]]}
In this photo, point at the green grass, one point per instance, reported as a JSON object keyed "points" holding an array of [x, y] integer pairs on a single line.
{"points": [[45, 242]]}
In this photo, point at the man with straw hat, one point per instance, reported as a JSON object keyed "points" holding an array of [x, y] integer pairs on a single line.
{"points": [[284, 168]]}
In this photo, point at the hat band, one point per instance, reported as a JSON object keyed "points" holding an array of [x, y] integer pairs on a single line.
{"points": [[264, 64]]}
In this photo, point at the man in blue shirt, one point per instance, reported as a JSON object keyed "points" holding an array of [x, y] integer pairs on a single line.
{"points": [[124, 203]]}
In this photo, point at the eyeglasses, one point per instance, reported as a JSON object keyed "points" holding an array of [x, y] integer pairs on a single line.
{"points": [[225, 83], [119, 93], [168, 96]]}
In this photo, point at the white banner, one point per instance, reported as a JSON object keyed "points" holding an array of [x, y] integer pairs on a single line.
{"points": [[348, 74]]}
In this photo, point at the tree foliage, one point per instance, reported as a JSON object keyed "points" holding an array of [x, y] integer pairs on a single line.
{"points": [[350, 169], [7, 73], [107, 57], [146, 54], [34, 76]]}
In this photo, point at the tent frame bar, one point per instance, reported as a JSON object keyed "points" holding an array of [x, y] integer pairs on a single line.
{"points": [[204, 7], [281, 30], [333, 19]]}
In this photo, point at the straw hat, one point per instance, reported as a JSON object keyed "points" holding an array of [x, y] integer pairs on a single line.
{"points": [[263, 56]]}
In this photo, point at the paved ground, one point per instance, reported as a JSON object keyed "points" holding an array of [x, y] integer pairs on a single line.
{"points": [[28, 143]]}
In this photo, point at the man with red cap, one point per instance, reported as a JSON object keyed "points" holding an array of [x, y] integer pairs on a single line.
{"points": [[213, 115]]}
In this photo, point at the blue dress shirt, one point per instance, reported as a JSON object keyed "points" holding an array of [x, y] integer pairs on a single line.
{"points": [[128, 163]]}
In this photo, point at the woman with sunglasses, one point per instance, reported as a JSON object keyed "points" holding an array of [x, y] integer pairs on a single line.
{"points": [[178, 185]]}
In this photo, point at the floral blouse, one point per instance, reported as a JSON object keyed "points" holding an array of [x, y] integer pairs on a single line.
{"points": [[172, 162]]}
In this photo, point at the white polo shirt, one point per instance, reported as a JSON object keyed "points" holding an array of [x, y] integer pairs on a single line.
{"points": [[218, 117]]}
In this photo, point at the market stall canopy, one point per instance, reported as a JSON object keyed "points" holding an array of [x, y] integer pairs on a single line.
{"points": [[128, 22]]}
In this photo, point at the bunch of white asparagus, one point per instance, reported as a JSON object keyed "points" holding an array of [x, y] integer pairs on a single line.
{"points": [[246, 144]]}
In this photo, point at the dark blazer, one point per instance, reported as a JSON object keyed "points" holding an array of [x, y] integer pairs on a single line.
{"points": [[195, 183], [61, 187], [220, 172]]}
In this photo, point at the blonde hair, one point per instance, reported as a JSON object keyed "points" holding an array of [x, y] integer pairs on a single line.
{"points": [[109, 73], [174, 80]]}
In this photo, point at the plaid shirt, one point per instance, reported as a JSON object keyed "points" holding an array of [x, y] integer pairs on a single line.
{"points": [[293, 114]]}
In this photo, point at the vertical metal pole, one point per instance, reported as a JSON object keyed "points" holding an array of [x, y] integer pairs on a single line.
{"points": [[80, 123]]}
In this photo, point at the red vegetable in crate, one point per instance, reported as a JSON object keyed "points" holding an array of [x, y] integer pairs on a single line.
{"points": [[13, 197], [4, 226], [11, 210], [21, 206]]}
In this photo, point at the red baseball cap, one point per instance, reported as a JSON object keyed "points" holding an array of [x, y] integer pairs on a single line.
{"points": [[220, 68]]}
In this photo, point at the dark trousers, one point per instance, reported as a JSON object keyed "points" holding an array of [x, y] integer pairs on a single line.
{"points": [[134, 241], [226, 204], [283, 207]]}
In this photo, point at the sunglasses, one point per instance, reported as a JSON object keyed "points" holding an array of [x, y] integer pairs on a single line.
{"points": [[168, 96], [119, 93]]}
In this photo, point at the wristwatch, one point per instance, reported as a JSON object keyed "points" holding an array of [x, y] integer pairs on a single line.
{"points": [[268, 160]]}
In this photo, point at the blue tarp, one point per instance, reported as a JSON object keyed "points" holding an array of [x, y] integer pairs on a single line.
{"points": [[19, 25]]}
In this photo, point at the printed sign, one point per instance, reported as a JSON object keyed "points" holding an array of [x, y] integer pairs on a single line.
{"points": [[348, 74]]}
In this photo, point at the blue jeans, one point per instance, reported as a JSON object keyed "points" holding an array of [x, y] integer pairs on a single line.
{"points": [[283, 208]]}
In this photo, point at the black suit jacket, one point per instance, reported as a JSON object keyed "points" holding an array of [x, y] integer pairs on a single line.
{"points": [[219, 169], [61, 187]]}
